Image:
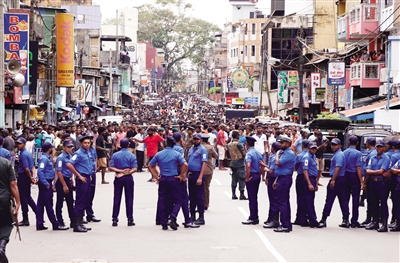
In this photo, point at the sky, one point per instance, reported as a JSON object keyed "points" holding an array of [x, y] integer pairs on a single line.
{"points": [[214, 11]]}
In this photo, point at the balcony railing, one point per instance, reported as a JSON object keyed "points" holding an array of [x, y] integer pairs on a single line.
{"points": [[386, 18], [366, 74], [364, 13], [342, 24]]}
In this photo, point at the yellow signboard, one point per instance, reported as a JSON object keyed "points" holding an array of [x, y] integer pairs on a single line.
{"points": [[65, 49]]}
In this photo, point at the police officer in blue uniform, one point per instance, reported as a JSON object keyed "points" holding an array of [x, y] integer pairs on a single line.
{"points": [[124, 164], [197, 162], [337, 185], [377, 177], [301, 214], [4, 152], [395, 157], [89, 206], [45, 199], [285, 161], [354, 180], [64, 184], [308, 165], [24, 181], [395, 170], [184, 187], [169, 188], [273, 212], [82, 166], [253, 179], [370, 143]]}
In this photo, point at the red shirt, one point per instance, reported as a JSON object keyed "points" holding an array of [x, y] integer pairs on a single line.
{"points": [[152, 144], [221, 138]]}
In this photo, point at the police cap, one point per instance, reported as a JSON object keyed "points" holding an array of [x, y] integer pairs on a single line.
{"points": [[177, 136], [284, 138], [380, 143], [81, 139], [276, 146], [305, 143], [205, 136], [66, 135], [190, 128], [46, 146], [371, 140], [171, 139], [312, 145], [353, 139], [197, 136], [68, 143], [336, 141], [250, 139]]}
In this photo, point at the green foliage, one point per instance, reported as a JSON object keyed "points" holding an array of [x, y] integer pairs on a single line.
{"points": [[327, 115], [211, 90], [111, 21], [167, 25]]}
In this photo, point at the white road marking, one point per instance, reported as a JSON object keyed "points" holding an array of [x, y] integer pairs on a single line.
{"points": [[227, 194], [246, 215], [218, 182], [269, 246]]}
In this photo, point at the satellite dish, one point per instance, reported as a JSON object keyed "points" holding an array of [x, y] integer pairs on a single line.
{"points": [[13, 66], [18, 80]]}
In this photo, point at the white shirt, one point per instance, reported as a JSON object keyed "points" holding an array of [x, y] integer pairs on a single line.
{"points": [[259, 144], [271, 140], [29, 146], [140, 146], [212, 139]]}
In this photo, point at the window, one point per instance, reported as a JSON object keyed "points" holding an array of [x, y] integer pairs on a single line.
{"points": [[245, 30], [286, 44], [287, 33], [253, 50], [245, 51], [237, 52], [253, 29], [371, 71], [276, 44], [231, 53]]}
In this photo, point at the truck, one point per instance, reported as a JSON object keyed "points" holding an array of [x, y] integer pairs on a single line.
{"points": [[240, 113]]}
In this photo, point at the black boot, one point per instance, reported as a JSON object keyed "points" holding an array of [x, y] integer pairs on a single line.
{"points": [[374, 225], [384, 227], [322, 223], [173, 224], [25, 220], [367, 221], [79, 226], [193, 216], [3, 257], [394, 224], [345, 223], [274, 223], [396, 227], [242, 196], [234, 197], [200, 221]]}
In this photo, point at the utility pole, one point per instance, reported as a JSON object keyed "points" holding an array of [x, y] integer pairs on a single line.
{"points": [[2, 106], [110, 88], [31, 21], [300, 76], [117, 41]]}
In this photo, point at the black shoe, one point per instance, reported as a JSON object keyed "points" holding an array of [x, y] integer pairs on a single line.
{"points": [[42, 227], [84, 221], [296, 222], [393, 224], [356, 225], [158, 223], [172, 224], [200, 221], [250, 222], [306, 224], [164, 227], [115, 223], [383, 228], [80, 229], [321, 224], [272, 224], [366, 222], [234, 197], [372, 226], [60, 227], [131, 223], [87, 228], [345, 223], [266, 222], [3, 257], [206, 208], [23, 223], [282, 230], [93, 219], [395, 228], [243, 197], [71, 225], [150, 180], [191, 225]]}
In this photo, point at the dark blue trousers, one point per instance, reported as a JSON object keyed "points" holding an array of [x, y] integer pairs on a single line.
{"points": [[273, 199], [169, 189], [392, 187], [24, 188], [396, 202], [340, 190], [283, 185], [196, 193], [69, 199], [379, 194], [127, 184], [92, 192], [82, 196], [309, 197], [185, 202], [301, 214], [252, 191], [353, 190], [45, 200]]}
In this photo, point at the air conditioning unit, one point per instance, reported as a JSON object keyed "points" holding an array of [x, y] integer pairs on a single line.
{"points": [[383, 89], [384, 75]]}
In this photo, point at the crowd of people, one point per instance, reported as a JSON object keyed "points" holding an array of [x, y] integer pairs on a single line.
{"points": [[181, 141]]}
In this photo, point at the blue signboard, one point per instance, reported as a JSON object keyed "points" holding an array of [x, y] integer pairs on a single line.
{"points": [[253, 101], [336, 73], [16, 41]]}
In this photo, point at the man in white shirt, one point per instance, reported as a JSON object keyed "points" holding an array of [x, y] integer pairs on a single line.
{"points": [[140, 149], [271, 139], [261, 141], [314, 136]]}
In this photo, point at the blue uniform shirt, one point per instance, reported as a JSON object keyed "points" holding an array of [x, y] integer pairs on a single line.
{"points": [[168, 160], [25, 160], [309, 163], [179, 149], [370, 153], [45, 170], [287, 160], [353, 159], [376, 163], [298, 144], [298, 161], [196, 157], [395, 158], [83, 161], [5, 153], [123, 159], [390, 153], [254, 157], [272, 163], [61, 164], [338, 160]]}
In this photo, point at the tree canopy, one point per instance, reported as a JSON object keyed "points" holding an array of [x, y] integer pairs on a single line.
{"points": [[167, 25]]}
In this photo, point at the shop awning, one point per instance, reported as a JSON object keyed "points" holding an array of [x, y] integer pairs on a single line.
{"points": [[97, 107], [66, 109], [317, 61], [370, 108]]}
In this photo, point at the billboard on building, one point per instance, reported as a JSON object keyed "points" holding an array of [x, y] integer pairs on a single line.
{"points": [[336, 73], [65, 49]]}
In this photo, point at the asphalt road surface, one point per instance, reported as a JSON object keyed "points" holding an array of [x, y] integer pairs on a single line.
{"points": [[222, 239]]}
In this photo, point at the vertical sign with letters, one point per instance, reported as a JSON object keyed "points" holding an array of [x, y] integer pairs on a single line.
{"points": [[65, 50]]}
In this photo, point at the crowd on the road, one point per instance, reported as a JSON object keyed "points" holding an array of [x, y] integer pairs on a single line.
{"points": [[181, 145]]}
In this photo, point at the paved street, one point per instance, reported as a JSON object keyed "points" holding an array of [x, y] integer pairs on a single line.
{"points": [[222, 239]]}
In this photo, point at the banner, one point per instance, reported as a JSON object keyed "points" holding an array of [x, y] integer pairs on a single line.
{"points": [[65, 49], [315, 84], [293, 79], [282, 87], [16, 42], [40, 95], [336, 73], [78, 93], [33, 65]]}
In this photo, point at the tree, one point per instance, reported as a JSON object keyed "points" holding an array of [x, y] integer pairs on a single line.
{"points": [[111, 21], [167, 25]]}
